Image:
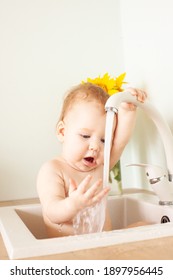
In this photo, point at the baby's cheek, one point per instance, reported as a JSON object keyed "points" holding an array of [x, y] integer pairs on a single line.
{"points": [[101, 161]]}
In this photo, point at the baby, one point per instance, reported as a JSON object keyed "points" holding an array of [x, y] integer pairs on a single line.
{"points": [[72, 182]]}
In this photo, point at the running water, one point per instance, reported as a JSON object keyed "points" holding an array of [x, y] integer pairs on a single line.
{"points": [[108, 141], [92, 219]]}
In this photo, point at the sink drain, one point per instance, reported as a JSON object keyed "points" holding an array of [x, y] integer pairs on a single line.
{"points": [[165, 219]]}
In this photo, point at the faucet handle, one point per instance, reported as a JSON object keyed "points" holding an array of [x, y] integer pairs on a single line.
{"points": [[158, 179], [153, 172]]}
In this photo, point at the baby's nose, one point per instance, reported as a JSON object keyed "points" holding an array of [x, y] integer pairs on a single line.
{"points": [[94, 145]]}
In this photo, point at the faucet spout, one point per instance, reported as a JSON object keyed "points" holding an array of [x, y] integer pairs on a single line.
{"points": [[114, 102]]}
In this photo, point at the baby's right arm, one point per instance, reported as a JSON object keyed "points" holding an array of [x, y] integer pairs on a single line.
{"points": [[51, 190]]}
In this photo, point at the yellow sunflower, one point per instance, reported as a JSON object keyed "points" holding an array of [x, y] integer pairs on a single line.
{"points": [[110, 85]]}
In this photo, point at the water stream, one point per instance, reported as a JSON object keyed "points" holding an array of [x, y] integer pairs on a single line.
{"points": [[92, 219], [108, 141]]}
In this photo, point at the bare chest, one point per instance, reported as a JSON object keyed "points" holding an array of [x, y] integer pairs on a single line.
{"points": [[78, 176]]}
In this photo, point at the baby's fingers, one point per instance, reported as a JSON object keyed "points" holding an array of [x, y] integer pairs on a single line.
{"points": [[84, 184], [141, 95], [100, 195], [93, 189]]}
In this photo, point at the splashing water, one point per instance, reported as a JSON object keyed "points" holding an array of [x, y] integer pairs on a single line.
{"points": [[89, 220], [92, 219]]}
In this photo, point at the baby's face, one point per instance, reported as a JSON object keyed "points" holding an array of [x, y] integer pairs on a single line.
{"points": [[83, 140]]}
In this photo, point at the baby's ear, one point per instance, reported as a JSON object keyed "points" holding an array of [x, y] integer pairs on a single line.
{"points": [[60, 130]]}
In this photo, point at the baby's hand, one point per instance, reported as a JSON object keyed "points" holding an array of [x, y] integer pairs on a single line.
{"points": [[82, 196], [140, 96]]}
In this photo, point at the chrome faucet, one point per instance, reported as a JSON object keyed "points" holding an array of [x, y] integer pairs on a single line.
{"points": [[160, 179]]}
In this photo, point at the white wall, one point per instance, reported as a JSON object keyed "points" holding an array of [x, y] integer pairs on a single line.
{"points": [[46, 47], [147, 46]]}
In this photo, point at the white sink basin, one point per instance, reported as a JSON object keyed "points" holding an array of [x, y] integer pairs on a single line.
{"points": [[24, 235]]}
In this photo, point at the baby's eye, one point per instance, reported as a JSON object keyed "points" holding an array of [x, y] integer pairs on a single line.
{"points": [[85, 136], [103, 141]]}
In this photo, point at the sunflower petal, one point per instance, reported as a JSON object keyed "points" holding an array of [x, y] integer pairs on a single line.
{"points": [[110, 85]]}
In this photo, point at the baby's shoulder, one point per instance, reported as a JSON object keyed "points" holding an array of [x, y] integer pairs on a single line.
{"points": [[53, 165]]}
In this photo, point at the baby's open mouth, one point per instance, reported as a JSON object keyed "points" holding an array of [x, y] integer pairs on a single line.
{"points": [[89, 159]]}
